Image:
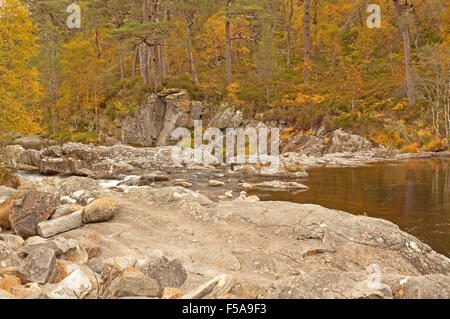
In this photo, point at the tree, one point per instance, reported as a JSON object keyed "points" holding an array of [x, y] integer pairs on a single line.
{"points": [[19, 87], [403, 18]]}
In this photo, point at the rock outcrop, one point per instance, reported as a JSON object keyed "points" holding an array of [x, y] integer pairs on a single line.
{"points": [[153, 123]]}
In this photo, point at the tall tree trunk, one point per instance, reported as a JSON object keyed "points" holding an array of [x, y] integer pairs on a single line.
{"points": [[135, 62], [188, 24], [307, 37], [289, 27], [144, 49], [403, 22], [155, 50], [229, 75]]}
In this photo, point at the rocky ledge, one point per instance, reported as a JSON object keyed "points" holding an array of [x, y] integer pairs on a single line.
{"points": [[72, 238]]}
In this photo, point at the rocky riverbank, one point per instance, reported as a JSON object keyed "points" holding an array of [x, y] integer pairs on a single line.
{"points": [[73, 238]]}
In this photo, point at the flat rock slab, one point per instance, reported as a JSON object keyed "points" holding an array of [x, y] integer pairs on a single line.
{"points": [[29, 209]]}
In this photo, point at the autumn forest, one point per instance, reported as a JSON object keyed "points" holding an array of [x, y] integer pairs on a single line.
{"points": [[302, 62]]}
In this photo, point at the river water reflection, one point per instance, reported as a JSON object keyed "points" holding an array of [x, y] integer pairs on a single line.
{"points": [[415, 195]]}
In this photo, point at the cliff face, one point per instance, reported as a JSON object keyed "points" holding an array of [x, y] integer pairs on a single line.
{"points": [[154, 121]]}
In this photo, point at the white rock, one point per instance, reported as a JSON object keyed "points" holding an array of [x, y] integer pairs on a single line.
{"points": [[75, 286]]}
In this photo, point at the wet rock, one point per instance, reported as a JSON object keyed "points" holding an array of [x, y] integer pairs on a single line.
{"points": [[38, 265], [59, 225], [100, 210], [166, 273], [30, 208], [214, 183], [148, 179], [276, 185], [135, 283]]}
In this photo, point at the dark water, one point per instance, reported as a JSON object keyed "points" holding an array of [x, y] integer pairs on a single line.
{"points": [[414, 195]]}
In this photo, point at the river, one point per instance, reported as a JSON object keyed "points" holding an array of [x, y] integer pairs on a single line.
{"points": [[415, 195]]}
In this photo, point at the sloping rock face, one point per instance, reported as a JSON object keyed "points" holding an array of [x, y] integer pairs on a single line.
{"points": [[321, 143], [153, 122]]}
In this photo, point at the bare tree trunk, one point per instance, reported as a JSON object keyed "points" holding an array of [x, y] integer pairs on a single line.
{"points": [[229, 74], [162, 53], [188, 24], [403, 21], [155, 50], [307, 38], [289, 27], [136, 62]]}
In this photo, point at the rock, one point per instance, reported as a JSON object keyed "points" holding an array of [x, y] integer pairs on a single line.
{"points": [[6, 192], [12, 155], [100, 210], [96, 264], [434, 286], [5, 295], [31, 142], [9, 282], [148, 179], [5, 209], [38, 265], [30, 208], [65, 210], [77, 255], [229, 194], [8, 179], [227, 118], [183, 184], [171, 293], [13, 241], [59, 225], [363, 291], [155, 120], [91, 243], [212, 288], [135, 283], [75, 286], [166, 273], [214, 183], [276, 185], [67, 200], [28, 291], [8, 258], [118, 264], [341, 141], [59, 245]]}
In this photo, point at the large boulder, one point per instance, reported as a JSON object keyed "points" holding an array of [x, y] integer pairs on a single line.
{"points": [[31, 142], [100, 210], [153, 123], [134, 283], [30, 208]]}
